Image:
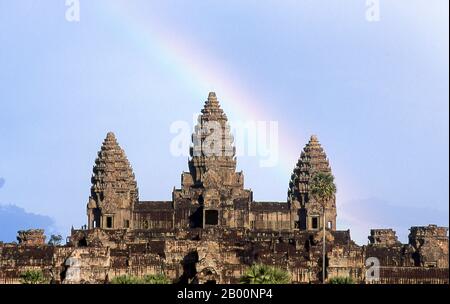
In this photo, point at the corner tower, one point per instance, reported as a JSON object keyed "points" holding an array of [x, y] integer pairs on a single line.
{"points": [[114, 189], [308, 212]]}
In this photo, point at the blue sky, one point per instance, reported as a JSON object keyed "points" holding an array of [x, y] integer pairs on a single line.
{"points": [[375, 93]]}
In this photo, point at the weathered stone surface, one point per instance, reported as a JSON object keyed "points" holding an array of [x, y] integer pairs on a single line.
{"points": [[309, 213], [431, 246], [383, 237], [212, 230], [114, 190], [31, 237]]}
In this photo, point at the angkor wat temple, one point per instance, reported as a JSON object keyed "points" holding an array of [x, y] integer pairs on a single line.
{"points": [[212, 230]]}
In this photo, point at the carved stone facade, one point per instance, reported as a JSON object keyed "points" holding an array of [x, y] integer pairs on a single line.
{"points": [[114, 190], [431, 246], [383, 237], [212, 193], [33, 237], [310, 212], [212, 230]]}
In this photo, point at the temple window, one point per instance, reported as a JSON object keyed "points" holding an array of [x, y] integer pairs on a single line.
{"points": [[109, 222], [330, 225], [315, 222], [211, 217]]}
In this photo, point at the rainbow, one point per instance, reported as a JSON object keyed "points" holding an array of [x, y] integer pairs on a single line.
{"points": [[203, 72]]}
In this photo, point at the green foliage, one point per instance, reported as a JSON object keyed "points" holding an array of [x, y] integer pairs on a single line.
{"points": [[263, 274], [32, 277], [148, 279], [322, 186], [55, 240], [125, 279], [156, 279], [341, 280]]}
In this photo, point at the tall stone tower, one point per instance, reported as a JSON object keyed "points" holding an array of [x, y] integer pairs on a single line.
{"points": [[308, 211], [212, 148], [114, 189], [212, 183]]}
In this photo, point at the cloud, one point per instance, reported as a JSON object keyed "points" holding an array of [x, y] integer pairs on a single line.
{"points": [[2, 182], [361, 215], [14, 218]]}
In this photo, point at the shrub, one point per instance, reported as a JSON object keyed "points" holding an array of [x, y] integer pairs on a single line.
{"points": [[157, 279], [341, 280], [148, 279], [125, 279], [32, 277]]}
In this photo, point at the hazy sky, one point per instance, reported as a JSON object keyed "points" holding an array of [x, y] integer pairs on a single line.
{"points": [[375, 93]]}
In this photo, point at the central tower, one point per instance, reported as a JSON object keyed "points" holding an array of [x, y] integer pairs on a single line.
{"points": [[213, 188], [212, 150]]}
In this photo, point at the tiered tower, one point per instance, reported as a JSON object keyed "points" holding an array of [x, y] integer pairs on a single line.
{"points": [[212, 182], [212, 143], [312, 160], [114, 189]]}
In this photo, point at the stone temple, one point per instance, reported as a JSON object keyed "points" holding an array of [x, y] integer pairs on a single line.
{"points": [[212, 193], [212, 230]]}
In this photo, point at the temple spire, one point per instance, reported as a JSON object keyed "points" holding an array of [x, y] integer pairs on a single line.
{"points": [[111, 137], [212, 189], [114, 188], [212, 110], [312, 160], [212, 146]]}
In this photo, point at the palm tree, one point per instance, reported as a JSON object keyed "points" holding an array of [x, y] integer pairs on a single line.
{"points": [[263, 274], [323, 189]]}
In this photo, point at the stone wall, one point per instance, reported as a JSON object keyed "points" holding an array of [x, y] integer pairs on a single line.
{"points": [[222, 255]]}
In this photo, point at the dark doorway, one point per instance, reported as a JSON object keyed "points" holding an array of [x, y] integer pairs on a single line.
{"points": [[82, 242], [302, 219], [417, 259], [97, 216], [109, 222], [315, 223], [196, 218], [211, 217]]}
